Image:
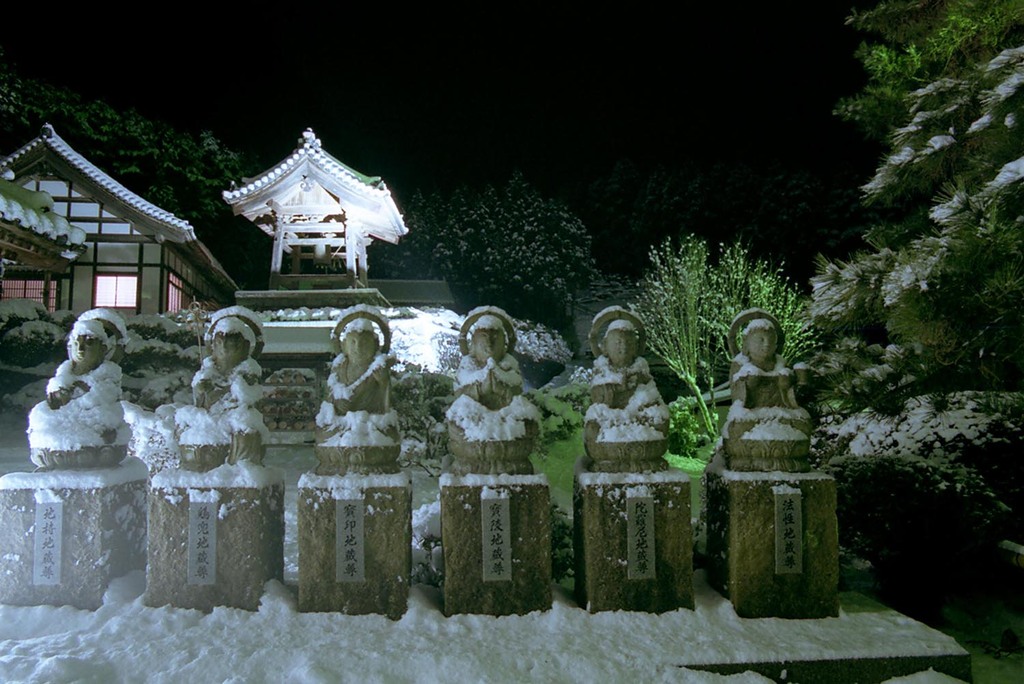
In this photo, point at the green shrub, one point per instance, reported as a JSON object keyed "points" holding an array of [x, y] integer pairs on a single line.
{"points": [[561, 409], [562, 552], [685, 433], [421, 399], [925, 524]]}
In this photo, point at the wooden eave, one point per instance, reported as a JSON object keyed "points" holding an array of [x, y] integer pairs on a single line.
{"points": [[28, 248]]}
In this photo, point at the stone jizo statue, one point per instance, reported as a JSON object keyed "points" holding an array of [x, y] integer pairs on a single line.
{"points": [[81, 422], [626, 426], [224, 425], [491, 426], [766, 429], [357, 430]]}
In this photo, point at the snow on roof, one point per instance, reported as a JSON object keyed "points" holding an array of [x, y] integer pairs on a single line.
{"points": [[164, 223], [376, 210], [31, 210], [48, 141]]}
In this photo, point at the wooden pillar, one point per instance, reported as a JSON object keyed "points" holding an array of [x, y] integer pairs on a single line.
{"points": [[46, 290], [361, 262], [275, 256], [351, 255]]}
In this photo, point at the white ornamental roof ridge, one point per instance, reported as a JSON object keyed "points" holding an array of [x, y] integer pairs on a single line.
{"points": [[49, 138], [309, 149]]}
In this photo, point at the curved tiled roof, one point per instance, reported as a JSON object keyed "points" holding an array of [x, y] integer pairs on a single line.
{"points": [[163, 223], [48, 139], [368, 196], [309, 149]]}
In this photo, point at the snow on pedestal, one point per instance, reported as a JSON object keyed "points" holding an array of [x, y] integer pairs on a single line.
{"points": [[216, 537], [496, 539], [355, 543], [65, 535], [633, 541], [772, 541]]}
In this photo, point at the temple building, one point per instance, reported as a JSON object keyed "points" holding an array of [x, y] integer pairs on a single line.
{"points": [[135, 256], [322, 216], [33, 236]]}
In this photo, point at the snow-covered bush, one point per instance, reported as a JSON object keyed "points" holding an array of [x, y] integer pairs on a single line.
{"points": [[924, 495], [26, 397], [164, 328], [421, 398], [32, 343], [174, 387], [14, 312], [561, 409], [427, 558], [160, 356], [145, 357], [562, 549]]}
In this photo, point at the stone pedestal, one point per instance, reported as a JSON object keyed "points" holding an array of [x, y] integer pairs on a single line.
{"points": [[496, 540], [355, 543], [65, 534], [633, 541], [772, 542], [215, 537]]}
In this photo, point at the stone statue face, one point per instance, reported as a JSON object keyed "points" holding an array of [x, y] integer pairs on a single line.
{"points": [[620, 346], [761, 344], [488, 343], [228, 350], [87, 353], [360, 346]]}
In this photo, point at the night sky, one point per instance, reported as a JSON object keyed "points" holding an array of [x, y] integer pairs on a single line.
{"points": [[437, 99]]}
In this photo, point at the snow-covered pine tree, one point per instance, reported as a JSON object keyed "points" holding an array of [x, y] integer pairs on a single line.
{"points": [[934, 305], [508, 246], [932, 312]]}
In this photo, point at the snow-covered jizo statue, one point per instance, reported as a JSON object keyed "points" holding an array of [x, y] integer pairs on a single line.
{"points": [[626, 426], [81, 422], [491, 426], [766, 428], [357, 428], [224, 425]]}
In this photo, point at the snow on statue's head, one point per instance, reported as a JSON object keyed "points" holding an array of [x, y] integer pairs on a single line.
{"points": [[360, 335], [88, 346], [359, 341], [231, 340], [488, 339], [95, 337], [621, 343], [760, 341]]}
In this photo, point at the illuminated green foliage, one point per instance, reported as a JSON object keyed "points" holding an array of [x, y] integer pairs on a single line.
{"points": [[914, 43], [688, 302], [933, 305]]}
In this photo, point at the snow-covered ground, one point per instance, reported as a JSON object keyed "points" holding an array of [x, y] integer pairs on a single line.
{"points": [[125, 641]]}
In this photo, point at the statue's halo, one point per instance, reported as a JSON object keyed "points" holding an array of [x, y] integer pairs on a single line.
{"points": [[745, 317], [366, 312], [609, 315], [479, 312]]}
